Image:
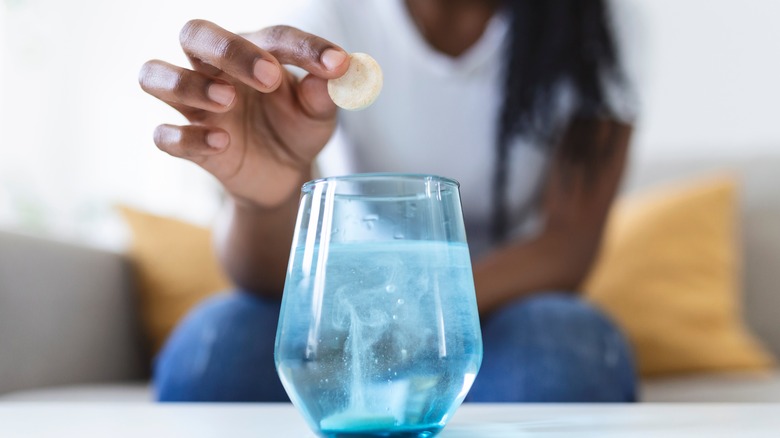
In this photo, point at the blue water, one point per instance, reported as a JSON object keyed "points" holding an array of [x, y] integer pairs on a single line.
{"points": [[379, 339]]}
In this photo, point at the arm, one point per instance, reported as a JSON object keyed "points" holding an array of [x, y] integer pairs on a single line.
{"points": [[253, 244], [575, 204]]}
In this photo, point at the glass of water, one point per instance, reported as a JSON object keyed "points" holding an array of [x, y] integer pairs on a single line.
{"points": [[379, 332]]}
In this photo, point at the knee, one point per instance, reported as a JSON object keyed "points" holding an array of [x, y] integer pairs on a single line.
{"points": [[553, 321], [556, 347], [219, 349], [231, 305], [553, 317], [225, 318]]}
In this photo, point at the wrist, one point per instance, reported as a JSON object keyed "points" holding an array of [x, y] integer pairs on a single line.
{"points": [[285, 194]]}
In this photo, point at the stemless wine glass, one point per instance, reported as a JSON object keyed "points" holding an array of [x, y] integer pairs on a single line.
{"points": [[379, 332]]}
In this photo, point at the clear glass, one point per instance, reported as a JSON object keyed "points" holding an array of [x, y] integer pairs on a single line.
{"points": [[379, 332]]}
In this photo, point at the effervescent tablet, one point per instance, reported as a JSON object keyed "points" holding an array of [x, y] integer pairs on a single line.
{"points": [[360, 85]]}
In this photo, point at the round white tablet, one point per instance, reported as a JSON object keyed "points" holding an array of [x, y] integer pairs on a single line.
{"points": [[360, 85]]}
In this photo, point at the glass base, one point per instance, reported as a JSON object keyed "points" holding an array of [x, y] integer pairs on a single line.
{"points": [[396, 432]]}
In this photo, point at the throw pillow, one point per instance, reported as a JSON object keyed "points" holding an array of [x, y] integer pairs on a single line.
{"points": [[669, 275], [175, 268]]}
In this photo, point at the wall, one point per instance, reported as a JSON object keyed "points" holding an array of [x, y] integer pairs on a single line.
{"points": [[709, 75]]}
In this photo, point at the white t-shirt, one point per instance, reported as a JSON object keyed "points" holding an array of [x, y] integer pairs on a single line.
{"points": [[436, 114]]}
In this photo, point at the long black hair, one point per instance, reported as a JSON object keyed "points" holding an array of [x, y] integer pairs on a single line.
{"points": [[552, 43]]}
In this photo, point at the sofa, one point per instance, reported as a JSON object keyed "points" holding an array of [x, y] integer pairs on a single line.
{"points": [[69, 329]]}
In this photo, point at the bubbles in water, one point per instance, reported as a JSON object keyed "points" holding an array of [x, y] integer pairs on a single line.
{"points": [[400, 301], [395, 317], [410, 210], [390, 288], [369, 219]]}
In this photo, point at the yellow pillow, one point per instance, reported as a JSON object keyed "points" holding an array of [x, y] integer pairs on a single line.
{"points": [[175, 268], [669, 274]]}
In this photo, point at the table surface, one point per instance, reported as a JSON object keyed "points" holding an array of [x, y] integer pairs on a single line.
{"points": [[470, 421]]}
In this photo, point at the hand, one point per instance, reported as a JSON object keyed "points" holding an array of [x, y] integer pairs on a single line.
{"points": [[254, 125]]}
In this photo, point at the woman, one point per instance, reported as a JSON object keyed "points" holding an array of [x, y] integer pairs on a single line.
{"points": [[515, 99]]}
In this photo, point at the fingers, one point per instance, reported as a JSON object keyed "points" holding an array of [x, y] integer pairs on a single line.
{"points": [[194, 143], [295, 47], [182, 88], [257, 61], [205, 42]]}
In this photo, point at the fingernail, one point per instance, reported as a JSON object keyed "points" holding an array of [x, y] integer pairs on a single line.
{"points": [[333, 58], [221, 94], [267, 72], [217, 140]]}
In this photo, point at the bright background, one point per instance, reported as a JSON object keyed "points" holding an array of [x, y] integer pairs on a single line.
{"points": [[76, 128]]}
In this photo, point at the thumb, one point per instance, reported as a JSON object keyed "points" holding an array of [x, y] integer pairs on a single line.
{"points": [[314, 99]]}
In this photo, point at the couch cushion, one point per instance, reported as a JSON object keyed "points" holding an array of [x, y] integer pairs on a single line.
{"points": [[714, 388], [759, 226], [67, 315]]}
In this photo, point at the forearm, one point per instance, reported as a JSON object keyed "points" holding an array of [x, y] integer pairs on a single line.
{"points": [[550, 262], [253, 245], [575, 203]]}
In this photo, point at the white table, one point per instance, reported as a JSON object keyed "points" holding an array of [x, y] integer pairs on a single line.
{"points": [[31, 420]]}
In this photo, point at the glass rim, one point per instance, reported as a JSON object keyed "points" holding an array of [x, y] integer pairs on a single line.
{"points": [[380, 176]]}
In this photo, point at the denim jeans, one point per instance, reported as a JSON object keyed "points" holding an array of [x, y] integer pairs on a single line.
{"points": [[548, 347]]}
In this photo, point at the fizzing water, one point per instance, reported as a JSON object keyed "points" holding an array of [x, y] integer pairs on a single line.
{"points": [[385, 340]]}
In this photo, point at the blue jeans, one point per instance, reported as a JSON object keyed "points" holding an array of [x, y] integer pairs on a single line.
{"points": [[549, 347]]}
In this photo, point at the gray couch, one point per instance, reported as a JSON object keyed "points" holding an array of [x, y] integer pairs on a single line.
{"points": [[68, 326]]}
